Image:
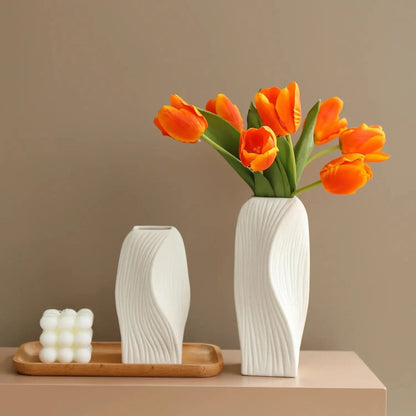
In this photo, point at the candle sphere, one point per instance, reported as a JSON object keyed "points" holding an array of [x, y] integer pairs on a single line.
{"points": [[51, 312], [48, 323], [47, 355], [83, 338], [68, 312], [48, 338], [82, 355], [65, 339], [66, 322], [85, 311], [65, 355], [83, 321]]}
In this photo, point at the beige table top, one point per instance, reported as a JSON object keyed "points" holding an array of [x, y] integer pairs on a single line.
{"points": [[326, 378], [317, 369]]}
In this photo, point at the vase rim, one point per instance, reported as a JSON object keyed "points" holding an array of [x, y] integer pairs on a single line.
{"points": [[272, 197], [152, 227]]}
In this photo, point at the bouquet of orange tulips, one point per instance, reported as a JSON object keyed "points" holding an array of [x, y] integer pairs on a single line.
{"points": [[264, 154]]}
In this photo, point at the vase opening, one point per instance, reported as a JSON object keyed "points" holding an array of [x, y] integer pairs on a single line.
{"points": [[273, 197], [152, 227]]}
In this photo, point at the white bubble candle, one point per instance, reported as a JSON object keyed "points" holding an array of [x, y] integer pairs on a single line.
{"points": [[66, 336]]}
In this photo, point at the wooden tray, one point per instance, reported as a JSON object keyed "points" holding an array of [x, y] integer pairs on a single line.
{"points": [[198, 360]]}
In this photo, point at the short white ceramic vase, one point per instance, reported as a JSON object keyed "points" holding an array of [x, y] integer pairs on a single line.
{"points": [[152, 295], [271, 284]]}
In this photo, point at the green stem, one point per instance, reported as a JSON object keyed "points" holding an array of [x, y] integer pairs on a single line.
{"points": [[322, 153], [218, 147], [305, 188], [212, 143], [292, 172]]}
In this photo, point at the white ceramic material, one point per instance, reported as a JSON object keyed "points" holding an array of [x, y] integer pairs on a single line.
{"points": [[66, 336], [152, 295], [271, 284]]}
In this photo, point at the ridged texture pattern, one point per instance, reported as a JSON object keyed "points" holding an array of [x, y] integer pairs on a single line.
{"points": [[152, 295], [271, 284]]}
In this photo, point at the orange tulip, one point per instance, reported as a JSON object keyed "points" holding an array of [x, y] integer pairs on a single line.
{"points": [[223, 107], [345, 174], [367, 140], [258, 148], [328, 125], [280, 109], [181, 121]]}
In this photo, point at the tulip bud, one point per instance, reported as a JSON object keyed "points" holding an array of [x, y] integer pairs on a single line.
{"points": [[280, 109], [223, 107], [345, 174], [367, 140], [181, 121], [328, 125], [258, 148]]}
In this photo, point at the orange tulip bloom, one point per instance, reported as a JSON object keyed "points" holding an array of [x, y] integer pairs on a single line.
{"points": [[181, 121], [367, 140], [280, 109], [258, 148], [223, 107], [345, 174], [328, 125]]}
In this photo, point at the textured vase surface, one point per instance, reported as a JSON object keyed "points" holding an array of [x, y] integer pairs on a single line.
{"points": [[271, 284], [152, 295]]}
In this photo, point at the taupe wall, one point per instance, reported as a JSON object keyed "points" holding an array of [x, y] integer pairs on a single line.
{"points": [[81, 161]]}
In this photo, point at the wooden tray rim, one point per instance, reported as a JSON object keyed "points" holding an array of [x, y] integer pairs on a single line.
{"points": [[208, 369]]}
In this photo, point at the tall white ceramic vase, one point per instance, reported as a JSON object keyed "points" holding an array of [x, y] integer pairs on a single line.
{"points": [[271, 284], [152, 295]]}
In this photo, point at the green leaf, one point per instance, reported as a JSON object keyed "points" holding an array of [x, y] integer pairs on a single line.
{"points": [[287, 158], [304, 146], [262, 186], [222, 132], [287, 193], [253, 118], [225, 138], [274, 177], [277, 177]]}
